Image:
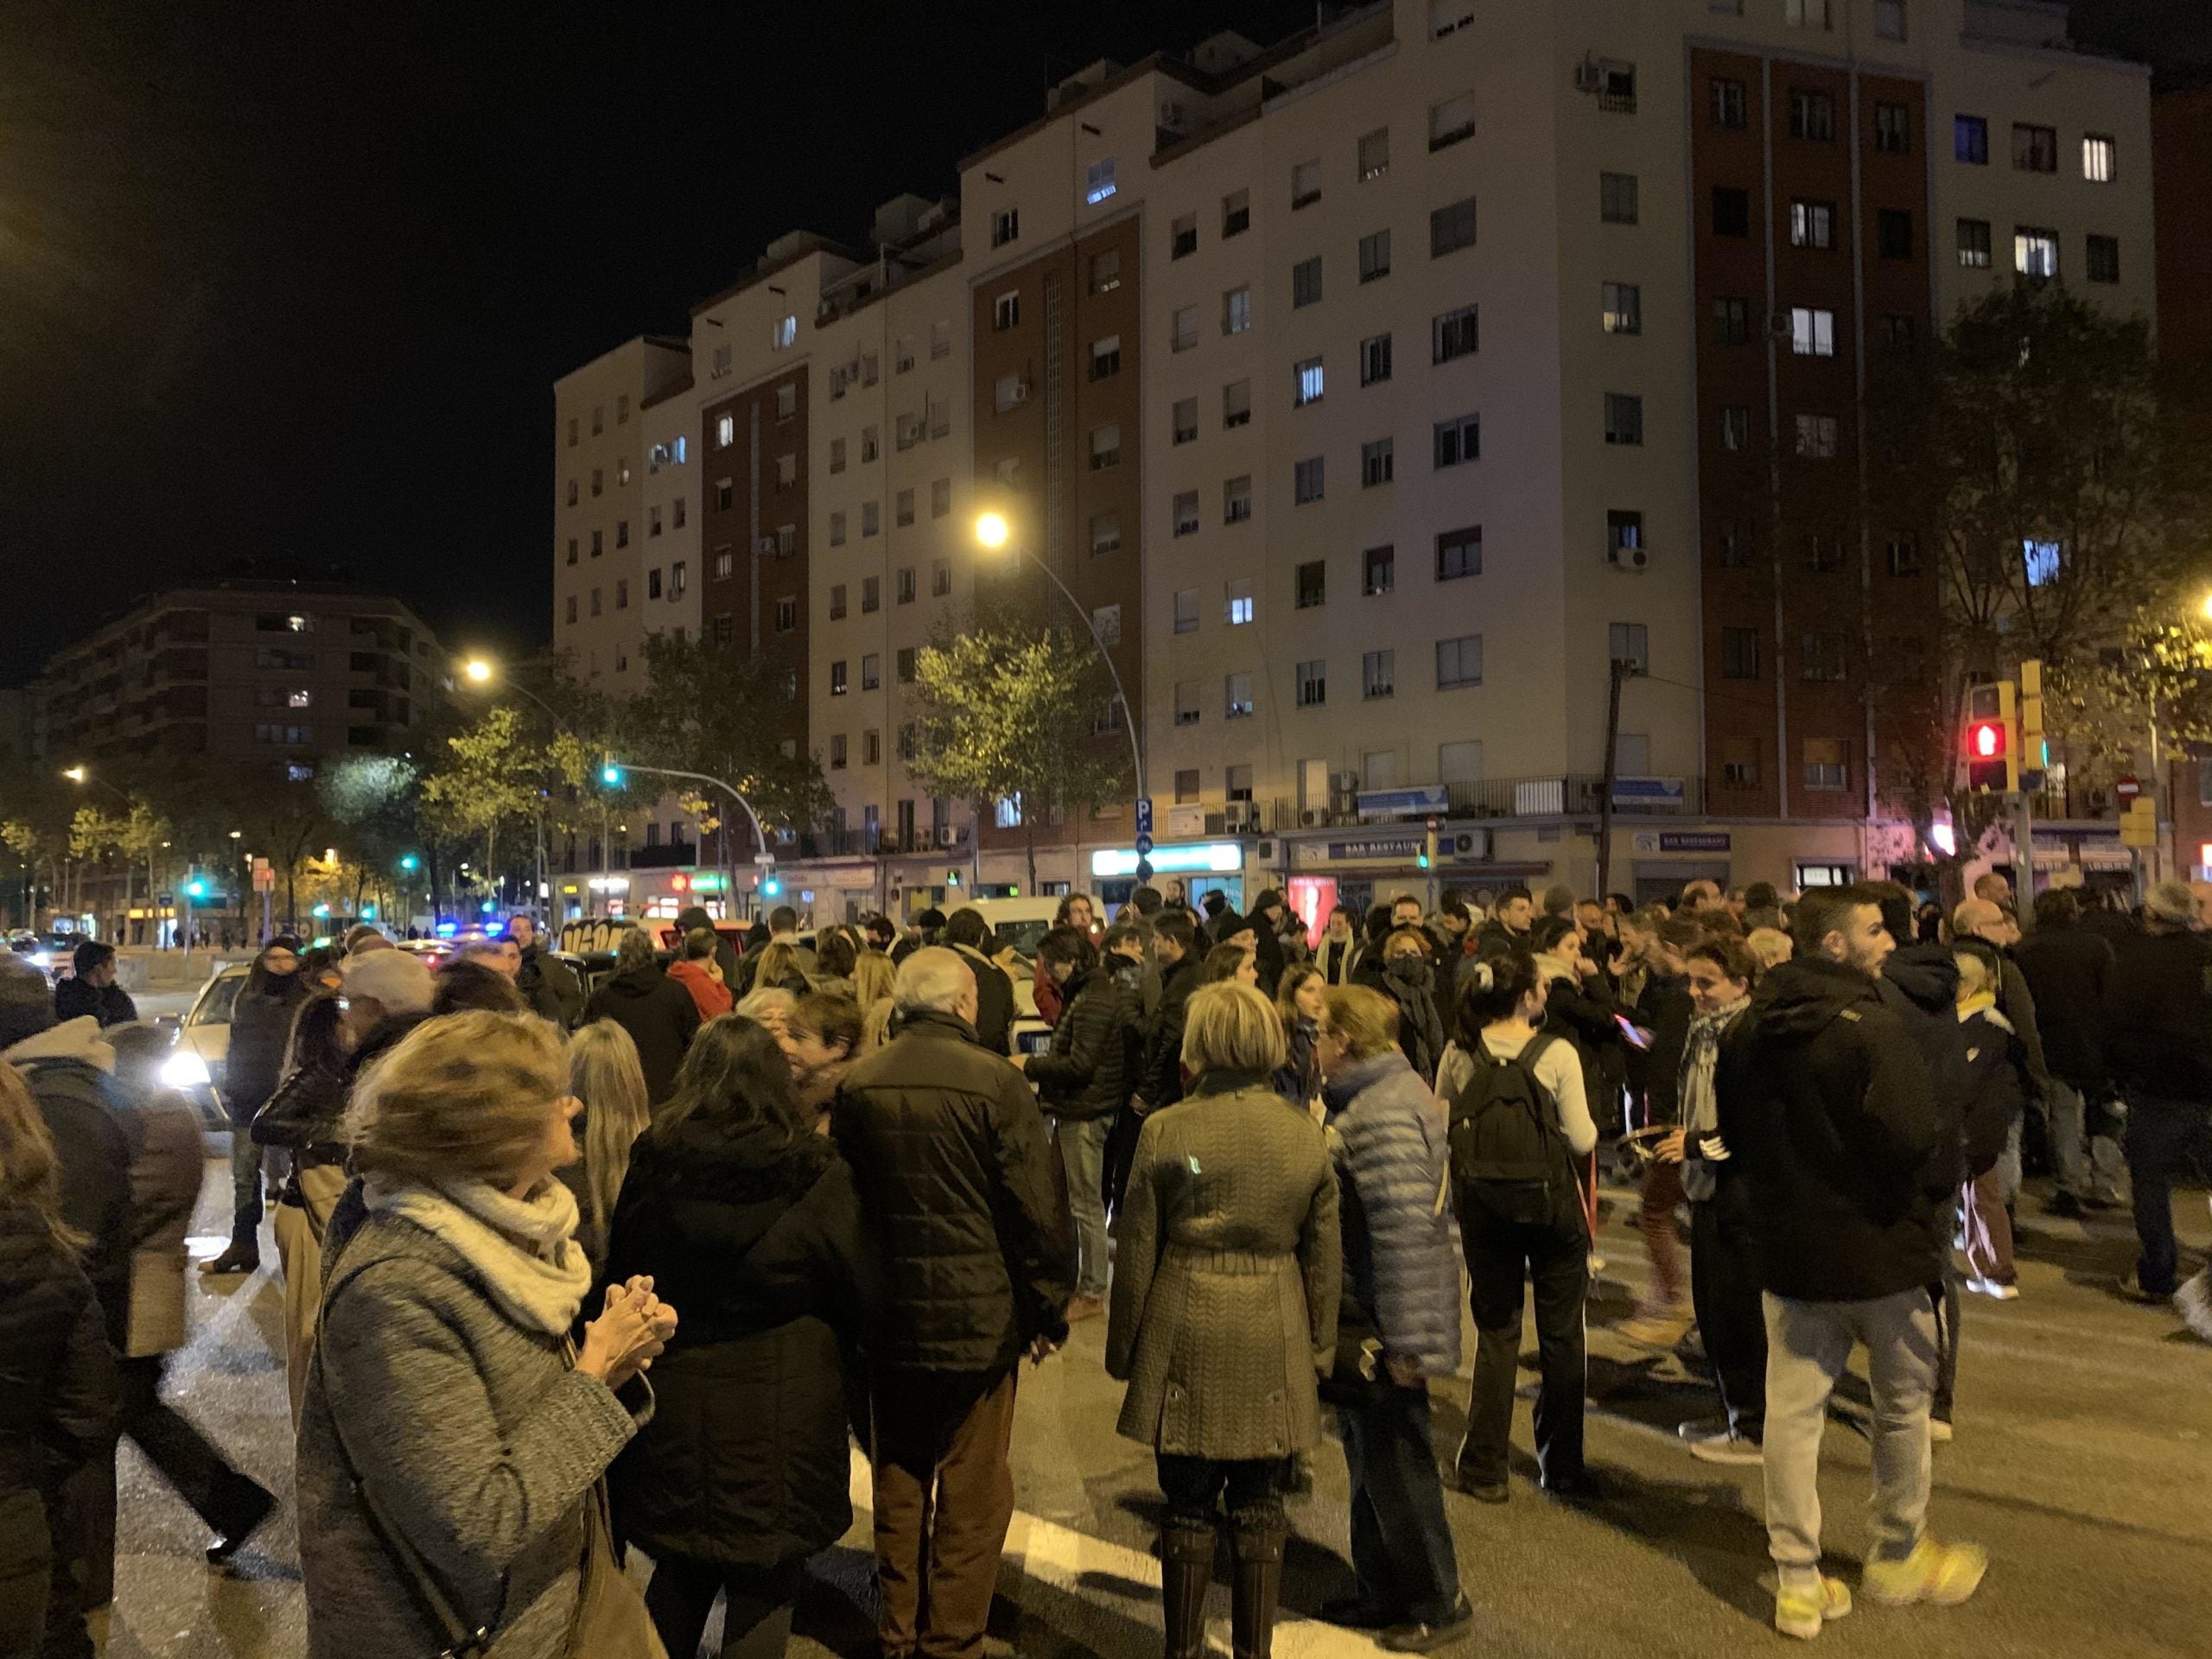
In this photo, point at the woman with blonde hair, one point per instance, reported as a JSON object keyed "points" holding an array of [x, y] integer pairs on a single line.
{"points": [[820, 1040], [782, 969], [605, 1075], [871, 976], [1224, 1305], [452, 1442]]}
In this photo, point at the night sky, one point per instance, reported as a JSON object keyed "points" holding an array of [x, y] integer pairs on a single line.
{"points": [[292, 282]]}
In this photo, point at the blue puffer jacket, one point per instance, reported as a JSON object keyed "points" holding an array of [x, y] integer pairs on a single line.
{"points": [[1402, 1247]]}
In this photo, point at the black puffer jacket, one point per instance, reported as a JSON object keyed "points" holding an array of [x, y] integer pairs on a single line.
{"points": [[1160, 1083], [2159, 1017], [2066, 967], [109, 1004], [550, 986], [1996, 1066], [1920, 985], [1089, 1071], [1851, 1163], [1665, 1010], [962, 1191], [261, 1030], [660, 1017], [57, 1373], [758, 1232], [994, 1001], [1410, 982]]}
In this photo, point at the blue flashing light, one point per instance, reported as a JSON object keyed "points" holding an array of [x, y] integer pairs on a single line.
{"points": [[486, 907], [447, 929]]}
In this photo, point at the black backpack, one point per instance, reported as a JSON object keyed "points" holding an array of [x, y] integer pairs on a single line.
{"points": [[1508, 1154]]}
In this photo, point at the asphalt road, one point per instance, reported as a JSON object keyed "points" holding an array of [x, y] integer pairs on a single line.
{"points": [[2084, 1462]]}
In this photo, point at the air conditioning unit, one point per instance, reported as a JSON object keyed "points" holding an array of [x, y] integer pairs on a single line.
{"points": [[766, 546], [1588, 77], [1020, 394], [1309, 818], [1630, 558], [1781, 325], [1241, 818]]}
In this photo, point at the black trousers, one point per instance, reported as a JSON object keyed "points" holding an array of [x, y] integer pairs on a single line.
{"points": [[1196, 1487], [202, 1476], [1725, 1289], [756, 1607], [1401, 1551], [1505, 1259]]}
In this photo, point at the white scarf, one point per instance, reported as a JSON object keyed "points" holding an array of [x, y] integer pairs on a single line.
{"points": [[523, 1249]]}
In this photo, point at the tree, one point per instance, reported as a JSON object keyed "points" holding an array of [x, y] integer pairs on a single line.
{"points": [[491, 775], [1007, 709]]}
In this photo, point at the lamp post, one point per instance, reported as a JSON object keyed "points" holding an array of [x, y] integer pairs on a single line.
{"points": [[993, 533], [482, 670], [611, 775], [81, 776]]}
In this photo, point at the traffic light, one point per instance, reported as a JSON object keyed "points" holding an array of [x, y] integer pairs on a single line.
{"points": [[1993, 739], [196, 888], [772, 886], [409, 863], [952, 877], [611, 775], [2035, 749]]}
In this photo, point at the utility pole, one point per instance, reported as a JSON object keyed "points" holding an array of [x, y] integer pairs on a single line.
{"points": [[1605, 783]]}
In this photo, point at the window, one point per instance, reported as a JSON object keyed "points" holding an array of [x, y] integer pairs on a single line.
{"points": [[1186, 611], [725, 495], [1452, 120], [1458, 553], [836, 455], [940, 578], [903, 586], [1306, 482], [1106, 357], [653, 521], [1616, 88], [1183, 329], [1623, 533], [1378, 463], [622, 593], [1733, 545], [836, 758], [1732, 211], [2096, 158], [721, 564], [1889, 20], [1006, 310], [1816, 437], [1739, 653], [1901, 554], [1811, 116], [1105, 448], [1623, 311], [572, 550], [1731, 109], [1312, 584], [1735, 426], [1731, 322], [786, 471], [940, 498], [1236, 404], [1304, 184], [1378, 675], [1006, 225], [677, 573], [787, 397], [598, 480], [787, 614], [870, 448], [941, 332], [598, 542], [1892, 128], [1616, 198], [1237, 695], [1812, 332], [1106, 626], [871, 595], [1458, 440], [1624, 418], [1823, 554], [1098, 181], [2103, 262], [1105, 273], [1812, 224], [1378, 570], [676, 518], [1236, 500], [1312, 680], [572, 607], [1973, 244], [782, 333], [1451, 227], [1237, 311], [1807, 14], [572, 492], [1970, 140], [903, 509], [1900, 328], [1824, 657], [1447, 16], [1374, 256], [1185, 421], [1630, 645], [1374, 359], [1187, 706], [2035, 251], [871, 671], [837, 601], [871, 518], [2035, 150], [1308, 382], [598, 607], [1374, 154], [903, 666], [1740, 763], [1183, 237], [1893, 233], [838, 529], [1454, 333], [1236, 213], [1460, 661], [1105, 534], [1304, 283], [1825, 765]]}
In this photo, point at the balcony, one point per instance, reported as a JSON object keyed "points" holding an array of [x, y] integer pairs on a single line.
{"points": [[1578, 795]]}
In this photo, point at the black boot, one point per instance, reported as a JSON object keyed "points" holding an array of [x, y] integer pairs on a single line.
{"points": [[242, 1504], [1258, 1545], [1186, 1571]]}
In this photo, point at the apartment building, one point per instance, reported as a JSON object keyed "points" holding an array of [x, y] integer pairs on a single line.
{"points": [[1376, 391]]}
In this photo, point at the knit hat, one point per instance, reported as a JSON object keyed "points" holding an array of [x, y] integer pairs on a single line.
{"points": [[397, 981]]}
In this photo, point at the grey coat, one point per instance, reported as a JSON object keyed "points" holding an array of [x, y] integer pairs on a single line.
{"points": [[477, 1438], [1226, 1276]]}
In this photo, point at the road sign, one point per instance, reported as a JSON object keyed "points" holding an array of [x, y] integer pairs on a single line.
{"points": [[2138, 826], [1144, 843], [1144, 823], [264, 879], [2126, 789]]}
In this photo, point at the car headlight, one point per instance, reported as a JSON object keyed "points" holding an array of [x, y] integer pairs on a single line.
{"points": [[41, 960], [184, 1070]]}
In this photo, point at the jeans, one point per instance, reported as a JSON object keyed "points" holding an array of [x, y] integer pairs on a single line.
{"points": [[1724, 1288], [246, 1189], [1809, 1347], [1401, 1554], [1662, 1192], [756, 1606], [2088, 1162], [2165, 1138], [1083, 1153], [1195, 1489], [1554, 1258]]}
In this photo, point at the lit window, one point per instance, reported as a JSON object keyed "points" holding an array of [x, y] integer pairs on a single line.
{"points": [[1374, 154], [2041, 561], [2034, 252], [1812, 333], [1308, 382], [2096, 158], [1236, 603], [725, 431], [783, 333], [1098, 181]]}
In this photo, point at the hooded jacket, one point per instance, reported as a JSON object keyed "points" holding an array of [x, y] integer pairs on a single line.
{"points": [[660, 1017], [1920, 985], [551, 986], [57, 1375], [261, 1030], [994, 1001], [109, 1004], [1850, 1162], [2159, 1017], [69, 1068], [1090, 1069], [2066, 967], [711, 996]]}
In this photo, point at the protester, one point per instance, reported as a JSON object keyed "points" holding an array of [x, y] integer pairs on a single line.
{"points": [[1401, 971], [967, 932], [58, 1386], [448, 1438], [872, 979], [778, 967], [956, 1178], [93, 991], [1990, 1108], [783, 929], [658, 1013], [1302, 1004], [836, 953], [1224, 1305], [773, 1009], [261, 1027], [927, 929], [609, 1086], [2066, 966], [496, 951], [1266, 918], [697, 971], [472, 984], [689, 920], [1230, 962], [551, 986], [1402, 1283], [1852, 1166], [1508, 927], [1664, 1009], [820, 1040], [749, 1221], [1181, 972], [1337, 946], [1519, 1123]]}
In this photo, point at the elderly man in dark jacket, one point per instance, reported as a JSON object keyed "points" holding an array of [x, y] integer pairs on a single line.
{"points": [[550, 985], [1082, 1081], [1852, 1164], [960, 1187], [2066, 966]]}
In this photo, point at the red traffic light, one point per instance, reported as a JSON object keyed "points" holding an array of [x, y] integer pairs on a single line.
{"points": [[1988, 740]]}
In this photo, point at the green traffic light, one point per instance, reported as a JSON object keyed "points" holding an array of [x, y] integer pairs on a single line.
{"points": [[196, 889], [611, 775], [409, 862]]}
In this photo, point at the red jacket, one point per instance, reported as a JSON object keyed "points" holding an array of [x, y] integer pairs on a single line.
{"points": [[712, 996], [1051, 995]]}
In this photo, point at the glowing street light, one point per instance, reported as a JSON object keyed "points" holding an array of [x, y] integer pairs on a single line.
{"points": [[74, 774], [479, 670], [992, 531]]}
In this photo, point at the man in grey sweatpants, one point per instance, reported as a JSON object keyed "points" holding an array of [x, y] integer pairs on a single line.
{"points": [[1851, 1164]]}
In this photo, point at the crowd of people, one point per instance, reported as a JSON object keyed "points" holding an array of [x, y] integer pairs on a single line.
{"points": [[567, 1274]]}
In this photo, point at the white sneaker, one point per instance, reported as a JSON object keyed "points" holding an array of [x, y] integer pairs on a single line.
{"points": [[1992, 1290], [1939, 1432], [2193, 1302], [1727, 1446]]}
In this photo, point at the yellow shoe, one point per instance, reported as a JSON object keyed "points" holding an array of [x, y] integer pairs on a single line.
{"points": [[1801, 1612], [1944, 1573]]}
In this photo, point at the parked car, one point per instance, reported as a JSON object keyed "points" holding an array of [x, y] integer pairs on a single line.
{"points": [[195, 1067]]}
